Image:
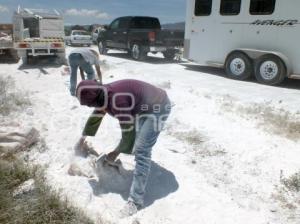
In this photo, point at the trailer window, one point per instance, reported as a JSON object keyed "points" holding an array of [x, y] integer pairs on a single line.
{"points": [[230, 7], [203, 7], [262, 7]]}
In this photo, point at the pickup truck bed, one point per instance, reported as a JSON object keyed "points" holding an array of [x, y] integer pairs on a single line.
{"points": [[6, 42]]}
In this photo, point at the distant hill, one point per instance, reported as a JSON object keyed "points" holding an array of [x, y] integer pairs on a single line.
{"points": [[89, 28], [174, 26]]}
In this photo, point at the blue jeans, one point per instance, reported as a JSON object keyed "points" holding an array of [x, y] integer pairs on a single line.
{"points": [[76, 61], [148, 129]]}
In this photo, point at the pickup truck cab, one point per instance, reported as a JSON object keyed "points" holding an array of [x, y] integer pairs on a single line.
{"points": [[80, 38], [139, 35]]}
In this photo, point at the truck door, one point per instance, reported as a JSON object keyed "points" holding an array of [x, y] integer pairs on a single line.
{"points": [[201, 31], [111, 34], [122, 33]]}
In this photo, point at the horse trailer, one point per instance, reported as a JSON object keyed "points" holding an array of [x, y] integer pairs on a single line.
{"points": [[249, 37]]}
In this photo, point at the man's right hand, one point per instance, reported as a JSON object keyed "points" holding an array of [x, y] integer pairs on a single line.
{"points": [[79, 148]]}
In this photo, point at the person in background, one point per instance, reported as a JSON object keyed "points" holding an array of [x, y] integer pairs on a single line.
{"points": [[84, 59], [142, 110]]}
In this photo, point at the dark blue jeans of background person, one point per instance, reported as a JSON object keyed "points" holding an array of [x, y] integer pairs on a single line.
{"points": [[76, 61], [148, 129]]}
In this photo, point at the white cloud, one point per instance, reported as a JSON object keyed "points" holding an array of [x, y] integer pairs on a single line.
{"points": [[86, 13], [3, 8]]}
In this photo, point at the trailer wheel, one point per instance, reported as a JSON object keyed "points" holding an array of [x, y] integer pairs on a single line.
{"points": [[238, 66], [137, 52], [270, 70], [102, 47]]}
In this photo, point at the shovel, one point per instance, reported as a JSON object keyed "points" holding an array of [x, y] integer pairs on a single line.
{"points": [[102, 160]]}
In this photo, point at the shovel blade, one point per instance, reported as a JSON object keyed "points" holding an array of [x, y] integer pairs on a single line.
{"points": [[102, 161]]}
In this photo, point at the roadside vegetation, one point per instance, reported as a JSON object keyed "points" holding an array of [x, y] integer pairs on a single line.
{"points": [[36, 205], [287, 195], [278, 121], [292, 183], [10, 99], [24, 196]]}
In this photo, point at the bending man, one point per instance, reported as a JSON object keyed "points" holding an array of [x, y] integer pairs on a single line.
{"points": [[141, 109]]}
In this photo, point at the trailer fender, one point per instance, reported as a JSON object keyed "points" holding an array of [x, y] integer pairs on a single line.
{"points": [[255, 54]]}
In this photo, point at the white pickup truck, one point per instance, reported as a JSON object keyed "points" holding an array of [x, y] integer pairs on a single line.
{"points": [[79, 38]]}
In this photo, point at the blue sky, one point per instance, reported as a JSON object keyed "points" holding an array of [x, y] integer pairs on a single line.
{"points": [[101, 11]]}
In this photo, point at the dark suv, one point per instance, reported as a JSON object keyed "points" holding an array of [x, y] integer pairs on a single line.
{"points": [[139, 35]]}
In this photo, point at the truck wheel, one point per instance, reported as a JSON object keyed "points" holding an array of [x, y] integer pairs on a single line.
{"points": [[270, 70], [137, 52], [102, 47], [61, 59], [169, 55], [24, 59], [14, 55], [238, 66]]}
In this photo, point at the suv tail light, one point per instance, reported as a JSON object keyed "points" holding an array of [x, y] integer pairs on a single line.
{"points": [[56, 45], [151, 36], [24, 45]]}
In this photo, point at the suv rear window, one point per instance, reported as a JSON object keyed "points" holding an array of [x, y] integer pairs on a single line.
{"points": [[262, 7], [203, 7], [144, 23]]}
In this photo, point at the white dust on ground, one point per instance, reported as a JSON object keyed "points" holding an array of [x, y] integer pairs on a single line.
{"points": [[211, 166]]}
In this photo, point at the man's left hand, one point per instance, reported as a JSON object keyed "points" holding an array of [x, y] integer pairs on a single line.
{"points": [[112, 156]]}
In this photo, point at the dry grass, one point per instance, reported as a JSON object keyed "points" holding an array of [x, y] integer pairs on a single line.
{"points": [[287, 195], [211, 150], [41, 205], [193, 138], [279, 122], [292, 183], [198, 143], [10, 98]]}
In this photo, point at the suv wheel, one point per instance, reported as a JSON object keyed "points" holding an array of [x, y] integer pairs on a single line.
{"points": [[169, 55], [102, 47], [137, 52]]}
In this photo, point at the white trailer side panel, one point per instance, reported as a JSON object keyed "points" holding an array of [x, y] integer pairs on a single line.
{"points": [[212, 38]]}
